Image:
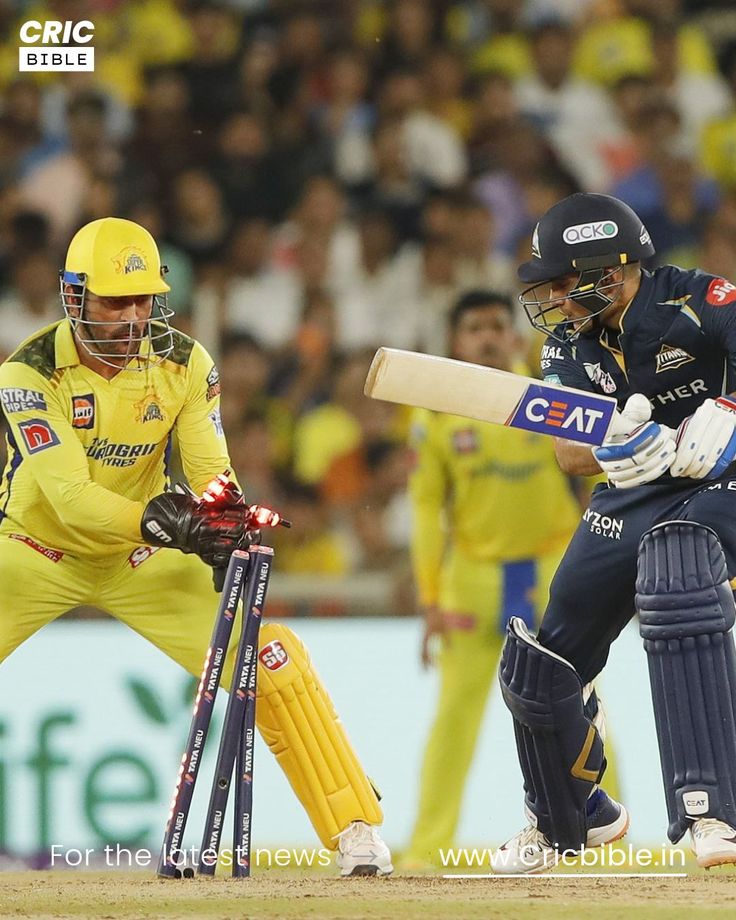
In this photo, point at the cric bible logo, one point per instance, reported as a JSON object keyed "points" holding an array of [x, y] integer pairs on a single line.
{"points": [[56, 46]]}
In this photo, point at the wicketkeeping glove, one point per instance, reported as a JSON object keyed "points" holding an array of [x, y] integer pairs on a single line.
{"points": [[211, 530], [213, 526], [640, 450], [706, 440]]}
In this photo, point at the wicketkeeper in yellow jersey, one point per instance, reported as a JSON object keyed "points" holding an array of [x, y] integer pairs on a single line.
{"points": [[92, 404], [492, 515]]}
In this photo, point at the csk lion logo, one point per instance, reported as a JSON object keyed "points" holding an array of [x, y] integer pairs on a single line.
{"points": [[153, 413], [149, 408], [129, 260]]}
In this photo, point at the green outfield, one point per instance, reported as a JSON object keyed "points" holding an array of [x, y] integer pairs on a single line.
{"points": [[123, 896]]}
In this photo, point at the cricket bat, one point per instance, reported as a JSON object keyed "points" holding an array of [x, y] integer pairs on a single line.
{"points": [[490, 395]]}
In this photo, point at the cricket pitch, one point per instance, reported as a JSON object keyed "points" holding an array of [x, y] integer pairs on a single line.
{"points": [[70, 895]]}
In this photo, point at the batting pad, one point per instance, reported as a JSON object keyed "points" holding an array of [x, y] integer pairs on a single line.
{"points": [[686, 611], [560, 749], [297, 720]]}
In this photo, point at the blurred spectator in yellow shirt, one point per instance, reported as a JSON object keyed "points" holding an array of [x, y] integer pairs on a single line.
{"points": [[340, 425], [313, 547], [506, 50], [619, 43]]}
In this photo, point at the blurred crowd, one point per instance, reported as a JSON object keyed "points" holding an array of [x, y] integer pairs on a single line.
{"points": [[326, 177]]}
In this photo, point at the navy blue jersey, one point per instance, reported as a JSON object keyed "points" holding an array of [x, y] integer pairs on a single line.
{"points": [[677, 345]]}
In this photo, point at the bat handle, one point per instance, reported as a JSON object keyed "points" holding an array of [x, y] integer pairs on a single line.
{"points": [[636, 411]]}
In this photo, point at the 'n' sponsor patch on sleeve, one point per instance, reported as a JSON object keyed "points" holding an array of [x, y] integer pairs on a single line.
{"points": [[38, 435], [15, 399]]}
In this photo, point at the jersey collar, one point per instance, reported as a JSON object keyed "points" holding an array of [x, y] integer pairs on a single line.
{"points": [[638, 303], [65, 348]]}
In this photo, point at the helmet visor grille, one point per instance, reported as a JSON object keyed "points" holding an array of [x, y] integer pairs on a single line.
{"points": [[594, 290], [136, 345]]}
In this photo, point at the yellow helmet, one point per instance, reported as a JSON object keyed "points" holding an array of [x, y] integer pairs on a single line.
{"points": [[117, 257], [113, 257]]}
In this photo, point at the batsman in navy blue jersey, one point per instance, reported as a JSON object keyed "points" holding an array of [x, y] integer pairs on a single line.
{"points": [[658, 539]]}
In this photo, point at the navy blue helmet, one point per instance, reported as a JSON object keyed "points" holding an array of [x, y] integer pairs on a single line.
{"points": [[585, 234]]}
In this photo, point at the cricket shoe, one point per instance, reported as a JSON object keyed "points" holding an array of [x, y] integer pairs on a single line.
{"points": [[713, 842], [530, 852], [360, 851]]}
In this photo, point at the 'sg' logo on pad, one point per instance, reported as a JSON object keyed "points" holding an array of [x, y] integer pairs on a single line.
{"points": [[274, 656]]}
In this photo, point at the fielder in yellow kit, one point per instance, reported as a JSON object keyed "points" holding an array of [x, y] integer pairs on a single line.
{"points": [[492, 515], [92, 403]]}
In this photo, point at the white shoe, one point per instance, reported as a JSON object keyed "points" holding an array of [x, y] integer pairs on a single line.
{"points": [[713, 842], [362, 852], [527, 852], [530, 851]]}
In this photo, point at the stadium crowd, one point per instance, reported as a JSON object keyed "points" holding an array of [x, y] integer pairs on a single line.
{"points": [[326, 177]]}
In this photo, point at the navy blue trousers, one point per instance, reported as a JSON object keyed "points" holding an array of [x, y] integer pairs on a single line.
{"points": [[592, 593]]}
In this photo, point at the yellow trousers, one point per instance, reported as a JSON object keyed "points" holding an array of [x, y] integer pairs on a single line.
{"points": [[168, 598], [477, 599]]}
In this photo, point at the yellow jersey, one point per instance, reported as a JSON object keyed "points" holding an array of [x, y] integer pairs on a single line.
{"points": [[86, 454], [497, 493]]}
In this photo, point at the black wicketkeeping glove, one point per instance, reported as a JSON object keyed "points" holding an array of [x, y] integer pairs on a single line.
{"points": [[212, 531], [219, 572]]}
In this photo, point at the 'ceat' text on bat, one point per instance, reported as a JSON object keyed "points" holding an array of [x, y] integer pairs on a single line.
{"points": [[490, 395]]}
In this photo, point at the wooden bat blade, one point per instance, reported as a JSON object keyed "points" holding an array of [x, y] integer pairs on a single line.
{"points": [[443, 384], [488, 395]]}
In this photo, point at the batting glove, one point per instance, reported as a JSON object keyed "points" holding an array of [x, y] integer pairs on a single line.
{"points": [[639, 450], [706, 440]]}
